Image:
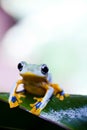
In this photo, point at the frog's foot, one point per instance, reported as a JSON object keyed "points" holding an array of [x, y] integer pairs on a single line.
{"points": [[19, 96], [36, 109], [15, 100], [61, 95], [38, 100]]}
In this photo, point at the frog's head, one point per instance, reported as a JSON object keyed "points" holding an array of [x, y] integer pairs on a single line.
{"points": [[33, 70]]}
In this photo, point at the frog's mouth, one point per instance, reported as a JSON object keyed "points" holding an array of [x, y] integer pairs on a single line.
{"points": [[33, 77]]}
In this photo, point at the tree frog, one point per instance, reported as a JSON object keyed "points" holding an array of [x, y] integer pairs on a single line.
{"points": [[36, 80]]}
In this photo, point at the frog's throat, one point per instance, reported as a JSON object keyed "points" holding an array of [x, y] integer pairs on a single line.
{"points": [[32, 76]]}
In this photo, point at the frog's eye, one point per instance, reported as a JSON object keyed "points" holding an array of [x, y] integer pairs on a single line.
{"points": [[20, 66], [44, 69]]}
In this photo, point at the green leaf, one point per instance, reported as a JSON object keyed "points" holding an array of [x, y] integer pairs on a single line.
{"points": [[70, 113]]}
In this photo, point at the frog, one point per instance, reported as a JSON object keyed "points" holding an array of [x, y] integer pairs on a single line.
{"points": [[36, 80]]}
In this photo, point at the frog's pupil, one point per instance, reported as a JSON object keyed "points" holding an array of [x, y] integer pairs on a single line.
{"points": [[44, 69], [20, 66]]}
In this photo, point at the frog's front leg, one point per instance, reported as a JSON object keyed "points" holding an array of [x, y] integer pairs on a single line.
{"points": [[14, 98], [42, 102]]}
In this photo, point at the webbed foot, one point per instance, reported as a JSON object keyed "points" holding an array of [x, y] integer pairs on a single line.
{"points": [[38, 106], [15, 100], [36, 109]]}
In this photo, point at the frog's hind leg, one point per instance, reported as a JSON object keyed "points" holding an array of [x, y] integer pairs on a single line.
{"points": [[14, 98], [59, 92]]}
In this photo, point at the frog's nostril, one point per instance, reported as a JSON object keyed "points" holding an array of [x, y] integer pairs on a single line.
{"points": [[20, 66]]}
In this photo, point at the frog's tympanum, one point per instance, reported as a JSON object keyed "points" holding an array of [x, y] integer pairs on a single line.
{"points": [[36, 80]]}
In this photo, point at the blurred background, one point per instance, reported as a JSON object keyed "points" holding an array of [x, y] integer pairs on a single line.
{"points": [[53, 32]]}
